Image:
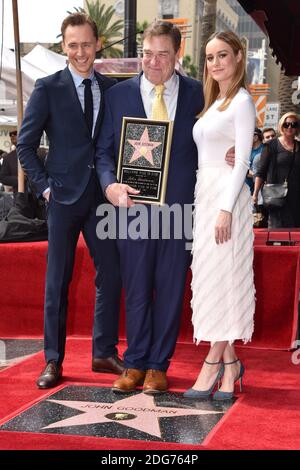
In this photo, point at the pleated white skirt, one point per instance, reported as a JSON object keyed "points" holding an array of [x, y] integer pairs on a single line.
{"points": [[223, 300]]}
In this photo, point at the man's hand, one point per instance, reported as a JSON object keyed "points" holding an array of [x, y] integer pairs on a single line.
{"points": [[46, 194], [118, 194], [230, 157]]}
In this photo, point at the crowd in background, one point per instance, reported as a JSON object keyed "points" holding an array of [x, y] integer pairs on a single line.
{"points": [[261, 141], [276, 160]]}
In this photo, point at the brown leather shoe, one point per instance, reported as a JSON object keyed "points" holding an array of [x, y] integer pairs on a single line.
{"points": [[129, 380], [155, 382], [50, 375], [110, 365]]}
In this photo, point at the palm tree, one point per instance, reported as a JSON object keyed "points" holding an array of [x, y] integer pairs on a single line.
{"points": [[108, 33], [208, 27], [189, 67], [140, 28]]}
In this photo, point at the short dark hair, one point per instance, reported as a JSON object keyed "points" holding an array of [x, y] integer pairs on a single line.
{"points": [[259, 133], [160, 28], [269, 129], [78, 19]]}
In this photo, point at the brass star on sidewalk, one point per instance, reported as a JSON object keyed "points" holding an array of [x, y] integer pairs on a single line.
{"points": [[143, 147], [138, 412]]}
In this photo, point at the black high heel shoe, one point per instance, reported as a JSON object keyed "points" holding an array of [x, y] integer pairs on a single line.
{"points": [[219, 395], [192, 393]]}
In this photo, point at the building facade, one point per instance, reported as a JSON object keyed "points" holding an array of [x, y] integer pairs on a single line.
{"points": [[191, 10], [262, 67]]}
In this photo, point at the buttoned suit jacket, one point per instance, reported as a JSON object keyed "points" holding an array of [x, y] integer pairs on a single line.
{"points": [[54, 107], [125, 99]]}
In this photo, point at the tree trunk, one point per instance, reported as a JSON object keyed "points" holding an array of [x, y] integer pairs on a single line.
{"points": [[208, 28], [286, 92]]}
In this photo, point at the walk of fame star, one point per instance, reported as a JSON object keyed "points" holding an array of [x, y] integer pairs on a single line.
{"points": [[98, 412], [143, 147], [138, 412]]}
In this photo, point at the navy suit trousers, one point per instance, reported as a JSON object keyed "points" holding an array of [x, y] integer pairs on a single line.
{"points": [[153, 274], [65, 222]]}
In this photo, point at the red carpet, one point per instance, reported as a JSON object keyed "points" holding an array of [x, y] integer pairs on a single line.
{"points": [[22, 278], [266, 416]]}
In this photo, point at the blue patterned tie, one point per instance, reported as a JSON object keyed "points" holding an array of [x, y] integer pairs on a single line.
{"points": [[88, 104]]}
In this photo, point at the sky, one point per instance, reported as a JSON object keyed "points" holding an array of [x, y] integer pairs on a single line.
{"points": [[39, 20]]}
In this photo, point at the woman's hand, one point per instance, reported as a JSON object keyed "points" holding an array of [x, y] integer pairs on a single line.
{"points": [[254, 198], [223, 227]]}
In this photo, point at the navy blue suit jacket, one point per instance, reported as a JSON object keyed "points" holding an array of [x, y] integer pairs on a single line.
{"points": [[54, 107], [124, 99]]}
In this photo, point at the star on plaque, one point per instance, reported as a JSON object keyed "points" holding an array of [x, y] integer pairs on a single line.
{"points": [[138, 412], [143, 147], [97, 411]]}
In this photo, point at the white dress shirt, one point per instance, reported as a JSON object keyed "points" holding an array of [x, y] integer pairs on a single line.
{"points": [[77, 79], [170, 95]]}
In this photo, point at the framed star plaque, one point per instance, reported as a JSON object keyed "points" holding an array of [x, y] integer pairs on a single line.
{"points": [[144, 158]]}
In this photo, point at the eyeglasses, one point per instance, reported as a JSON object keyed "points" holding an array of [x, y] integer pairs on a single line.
{"points": [[13, 133], [148, 55], [293, 125]]}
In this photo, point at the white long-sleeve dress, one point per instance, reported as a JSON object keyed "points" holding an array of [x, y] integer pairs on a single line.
{"points": [[223, 300]]}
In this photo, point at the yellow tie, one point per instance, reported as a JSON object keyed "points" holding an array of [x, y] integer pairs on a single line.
{"points": [[159, 108]]}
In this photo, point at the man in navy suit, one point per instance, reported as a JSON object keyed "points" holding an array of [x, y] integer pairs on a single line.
{"points": [[69, 107], [153, 271]]}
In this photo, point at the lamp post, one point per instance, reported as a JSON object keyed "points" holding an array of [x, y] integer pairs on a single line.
{"points": [[21, 183], [130, 29]]}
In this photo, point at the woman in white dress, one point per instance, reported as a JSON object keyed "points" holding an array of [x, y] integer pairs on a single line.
{"points": [[223, 299]]}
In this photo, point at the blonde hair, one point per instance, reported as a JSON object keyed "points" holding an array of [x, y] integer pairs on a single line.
{"points": [[211, 86], [284, 117]]}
